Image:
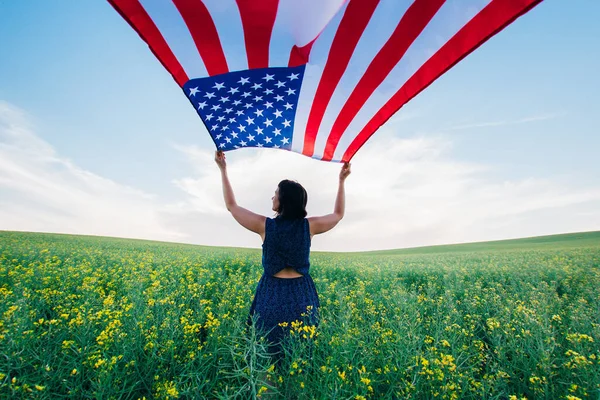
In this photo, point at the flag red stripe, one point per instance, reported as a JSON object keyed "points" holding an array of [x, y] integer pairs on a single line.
{"points": [[133, 12], [205, 35], [353, 23], [491, 20], [299, 55], [409, 28], [258, 18]]}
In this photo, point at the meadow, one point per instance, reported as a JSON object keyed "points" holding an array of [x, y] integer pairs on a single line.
{"points": [[104, 318]]}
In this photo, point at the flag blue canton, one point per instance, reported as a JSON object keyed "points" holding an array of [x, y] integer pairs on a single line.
{"points": [[251, 108]]}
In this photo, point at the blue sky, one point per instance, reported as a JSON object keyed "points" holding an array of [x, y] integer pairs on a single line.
{"points": [[522, 108]]}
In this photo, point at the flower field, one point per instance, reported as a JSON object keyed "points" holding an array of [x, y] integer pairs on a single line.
{"points": [[103, 318]]}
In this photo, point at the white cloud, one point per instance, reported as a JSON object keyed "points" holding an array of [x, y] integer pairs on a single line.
{"points": [[401, 193], [533, 118], [46, 193]]}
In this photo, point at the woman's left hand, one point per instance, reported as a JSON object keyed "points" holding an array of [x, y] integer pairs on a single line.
{"points": [[220, 159]]}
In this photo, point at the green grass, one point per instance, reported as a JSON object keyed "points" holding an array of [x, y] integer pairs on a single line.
{"points": [[95, 317], [581, 239]]}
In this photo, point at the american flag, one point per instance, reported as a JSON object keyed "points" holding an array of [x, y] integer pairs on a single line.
{"points": [[252, 108], [317, 77]]}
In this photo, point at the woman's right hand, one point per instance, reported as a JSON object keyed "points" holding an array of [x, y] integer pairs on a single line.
{"points": [[220, 159], [345, 171]]}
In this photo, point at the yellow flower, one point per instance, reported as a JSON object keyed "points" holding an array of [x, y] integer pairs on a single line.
{"points": [[261, 390], [342, 375], [74, 372], [40, 388]]}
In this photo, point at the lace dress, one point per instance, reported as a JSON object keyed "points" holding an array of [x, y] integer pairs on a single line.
{"points": [[277, 300]]}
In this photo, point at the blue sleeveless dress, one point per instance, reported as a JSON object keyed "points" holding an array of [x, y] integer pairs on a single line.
{"points": [[286, 244]]}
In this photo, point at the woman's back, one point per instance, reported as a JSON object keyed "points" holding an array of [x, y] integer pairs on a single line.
{"points": [[287, 244]]}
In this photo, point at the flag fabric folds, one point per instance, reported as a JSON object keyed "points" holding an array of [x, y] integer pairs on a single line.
{"points": [[317, 77]]}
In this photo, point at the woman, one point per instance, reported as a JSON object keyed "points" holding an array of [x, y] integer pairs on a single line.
{"points": [[285, 291]]}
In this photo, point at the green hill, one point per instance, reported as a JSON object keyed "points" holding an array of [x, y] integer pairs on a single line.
{"points": [[568, 240], [580, 239]]}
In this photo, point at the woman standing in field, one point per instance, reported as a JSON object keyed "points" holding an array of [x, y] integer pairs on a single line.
{"points": [[285, 291]]}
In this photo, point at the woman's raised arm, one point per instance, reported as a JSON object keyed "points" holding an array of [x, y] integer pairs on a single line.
{"points": [[246, 218], [326, 222]]}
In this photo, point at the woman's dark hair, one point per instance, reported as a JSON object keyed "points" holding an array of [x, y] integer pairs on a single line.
{"points": [[292, 200]]}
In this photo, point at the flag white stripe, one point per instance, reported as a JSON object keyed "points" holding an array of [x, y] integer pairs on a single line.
{"points": [[449, 19], [282, 39], [312, 76], [171, 25], [228, 21]]}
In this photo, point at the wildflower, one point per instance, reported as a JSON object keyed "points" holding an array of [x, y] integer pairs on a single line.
{"points": [[261, 390]]}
